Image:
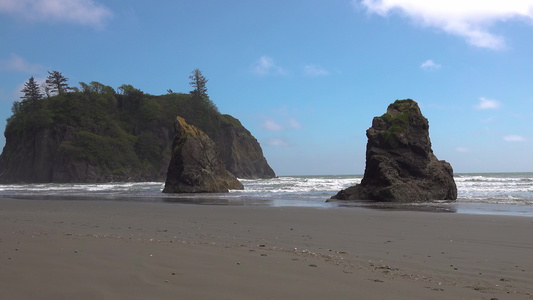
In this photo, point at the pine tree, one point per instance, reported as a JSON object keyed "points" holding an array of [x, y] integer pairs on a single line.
{"points": [[31, 90], [200, 90], [198, 83], [46, 89], [57, 83]]}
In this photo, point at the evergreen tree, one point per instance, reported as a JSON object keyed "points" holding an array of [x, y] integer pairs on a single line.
{"points": [[57, 83], [200, 90], [31, 91], [16, 108], [198, 83], [46, 89], [130, 97]]}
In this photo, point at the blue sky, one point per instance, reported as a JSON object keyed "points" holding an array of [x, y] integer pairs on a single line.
{"points": [[306, 77]]}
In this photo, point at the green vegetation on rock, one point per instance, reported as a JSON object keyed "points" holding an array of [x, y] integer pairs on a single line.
{"points": [[400, 164], [397, 117], [115, 136]]}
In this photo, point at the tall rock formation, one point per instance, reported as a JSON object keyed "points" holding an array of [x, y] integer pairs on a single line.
{"points": [[195, 165], [400, 164]]}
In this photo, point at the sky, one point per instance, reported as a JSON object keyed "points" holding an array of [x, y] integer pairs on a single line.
{"points": [[306, 77]]}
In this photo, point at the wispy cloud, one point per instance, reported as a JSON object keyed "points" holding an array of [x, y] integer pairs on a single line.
{"points": [[82, 12], [462, 149], [278, 142], [265, 66], [294, 124], [514, 138], [18, 64], [315, 70], [271, 125], [470, 20], [485, 103], [430, 65], [280, 122]]}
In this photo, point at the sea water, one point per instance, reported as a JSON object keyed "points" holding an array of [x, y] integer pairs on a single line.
{"points": [[487, 193]]}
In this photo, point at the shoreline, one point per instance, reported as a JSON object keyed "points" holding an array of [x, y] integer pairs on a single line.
{"points": [[455, 207], [82, 249], [479, 193]]}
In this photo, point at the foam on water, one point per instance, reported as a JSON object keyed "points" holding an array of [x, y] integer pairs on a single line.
{"points": [[508, 192], [300, 187], [497, 188]]}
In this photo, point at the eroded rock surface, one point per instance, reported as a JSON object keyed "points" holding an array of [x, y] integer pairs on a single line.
{"points": [[400, 164], [195, 165]]}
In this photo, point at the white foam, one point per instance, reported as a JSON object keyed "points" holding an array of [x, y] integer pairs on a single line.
{"points": [[508, 189]]}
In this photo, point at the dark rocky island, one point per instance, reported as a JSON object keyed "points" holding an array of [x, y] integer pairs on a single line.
{"points": [[400, 164], [195, 165], [96, 134]]}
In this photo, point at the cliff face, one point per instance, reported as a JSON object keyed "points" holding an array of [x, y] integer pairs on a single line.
{"points": [[35, 163], [400, 164], [52, 155], [240, 151], [195, 165], [92, 137]]}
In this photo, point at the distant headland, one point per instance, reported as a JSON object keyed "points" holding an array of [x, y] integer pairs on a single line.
{"points": [[94, 133]]}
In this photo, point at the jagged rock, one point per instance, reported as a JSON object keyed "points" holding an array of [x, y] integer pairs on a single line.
{"points": [[195, 165], [400, 164]]}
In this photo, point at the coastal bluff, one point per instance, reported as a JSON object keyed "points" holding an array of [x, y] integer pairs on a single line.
{"points": [[195, 165], [400, 164], [99, 135]]}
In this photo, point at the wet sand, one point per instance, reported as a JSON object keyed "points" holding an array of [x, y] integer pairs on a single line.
{"points": [[118, 250]]}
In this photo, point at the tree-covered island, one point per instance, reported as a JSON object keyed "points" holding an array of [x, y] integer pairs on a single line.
{"points": [[94, 133]]}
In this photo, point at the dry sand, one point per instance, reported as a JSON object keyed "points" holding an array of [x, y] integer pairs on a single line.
{"points": [[118, 250]]}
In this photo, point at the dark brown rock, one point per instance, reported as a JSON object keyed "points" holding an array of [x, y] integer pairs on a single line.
{"points": [[54, 154], [239, 150], [400, 164], [195, 165]]}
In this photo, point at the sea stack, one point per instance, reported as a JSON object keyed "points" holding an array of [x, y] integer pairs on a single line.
{"points": [[195, 165], [400, 164]]}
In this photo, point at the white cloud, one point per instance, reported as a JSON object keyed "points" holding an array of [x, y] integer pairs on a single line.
{"points": [[469, 19], [514, 138], [487, 104], [278, 142], [19, 64], [83, 12], [280, 120], [429, 65], [294, 124], [314, 70], [462, 149], [265, 65], [271, 125]]}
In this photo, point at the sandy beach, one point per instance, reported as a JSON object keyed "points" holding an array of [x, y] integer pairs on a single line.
{"points": [[119, 250]]}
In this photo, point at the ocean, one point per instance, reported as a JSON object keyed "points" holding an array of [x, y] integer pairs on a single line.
{"points": [[485, 193]]}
